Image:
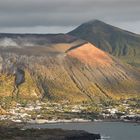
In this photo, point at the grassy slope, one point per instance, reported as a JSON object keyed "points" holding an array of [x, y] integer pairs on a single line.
{"points": [[64, 76], [26, 90]]}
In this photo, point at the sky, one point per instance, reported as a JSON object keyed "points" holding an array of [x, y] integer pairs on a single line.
{"points": [[61, 16]]}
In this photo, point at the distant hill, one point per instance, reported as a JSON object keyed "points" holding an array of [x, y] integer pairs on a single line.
{"points": [[62, 68], [118, 42]]}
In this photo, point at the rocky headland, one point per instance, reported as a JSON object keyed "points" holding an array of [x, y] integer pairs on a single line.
{"points": [[45, 134]]}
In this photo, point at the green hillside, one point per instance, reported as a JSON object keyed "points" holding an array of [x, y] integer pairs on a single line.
{"points": [[118, 42]]}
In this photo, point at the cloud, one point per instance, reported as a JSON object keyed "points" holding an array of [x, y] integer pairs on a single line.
{"points": [[7, 42], [37, 29], [61, 13]]}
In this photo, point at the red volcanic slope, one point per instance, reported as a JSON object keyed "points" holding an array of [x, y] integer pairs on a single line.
{"points": [[91, 55]]}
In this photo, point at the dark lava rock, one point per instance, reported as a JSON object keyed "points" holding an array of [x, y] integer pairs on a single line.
{"points": [[45, 134]]}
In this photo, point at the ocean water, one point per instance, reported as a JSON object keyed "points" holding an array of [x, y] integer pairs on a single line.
{"points": [[108, 130]]}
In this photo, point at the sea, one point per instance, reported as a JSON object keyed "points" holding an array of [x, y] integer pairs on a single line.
{"points": [[108, 130]]}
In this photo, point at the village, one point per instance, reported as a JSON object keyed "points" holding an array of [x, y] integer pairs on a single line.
{"points": [[42, 112]]}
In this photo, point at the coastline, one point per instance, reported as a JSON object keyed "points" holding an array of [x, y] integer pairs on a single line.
{"points": [[65, 121], [42, 121], [32, 127], [79, 121]]}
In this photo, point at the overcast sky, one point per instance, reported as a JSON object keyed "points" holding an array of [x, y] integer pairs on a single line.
{"points": [[54, 16]]}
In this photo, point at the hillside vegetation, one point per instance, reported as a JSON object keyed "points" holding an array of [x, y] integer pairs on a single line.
{"points": [[75, 71], [120, 43]]}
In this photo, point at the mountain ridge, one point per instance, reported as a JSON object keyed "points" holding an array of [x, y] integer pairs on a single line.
{"points": [[118, 42]]}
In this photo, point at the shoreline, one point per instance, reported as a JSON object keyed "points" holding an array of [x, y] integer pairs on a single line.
{"points": [[72, 120], [64, 121], [43, 121], [86, 121], [37, 126]]}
